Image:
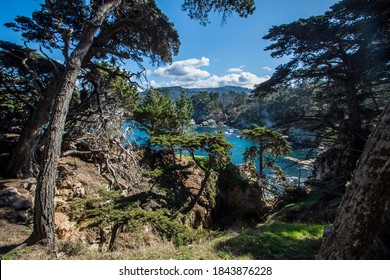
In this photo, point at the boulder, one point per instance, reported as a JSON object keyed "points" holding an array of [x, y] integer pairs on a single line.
{"points": [[10, 197], [247, 201]]}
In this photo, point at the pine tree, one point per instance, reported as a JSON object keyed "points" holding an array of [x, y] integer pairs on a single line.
{"points": [[268, 141]]}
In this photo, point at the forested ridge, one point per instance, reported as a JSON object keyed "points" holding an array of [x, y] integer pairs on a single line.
{"points": [[77, 183]]}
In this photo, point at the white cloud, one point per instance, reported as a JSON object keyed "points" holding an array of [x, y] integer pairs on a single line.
{"points": [[186, 73], [186, 70], [243, 79], [154, 84], [237, 69], [267, 68]]}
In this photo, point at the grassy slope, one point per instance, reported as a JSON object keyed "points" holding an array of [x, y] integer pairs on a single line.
{"points": [[272, 240], [276, 240]]}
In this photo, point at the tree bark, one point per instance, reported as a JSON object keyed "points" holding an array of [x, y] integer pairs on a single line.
{"points": [[261, 160], [361, 212], [114, 232], [44, 226], [22, 159]]}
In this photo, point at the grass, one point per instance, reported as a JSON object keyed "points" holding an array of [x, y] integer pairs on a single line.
{"points": [[201, 159], [313, 196], [298, 207], [276, 240]]}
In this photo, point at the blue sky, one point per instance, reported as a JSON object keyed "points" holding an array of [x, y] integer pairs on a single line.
{"points": [[213, 55]]}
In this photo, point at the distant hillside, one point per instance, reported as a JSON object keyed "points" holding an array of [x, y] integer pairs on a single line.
{"points": [[176, 91]]}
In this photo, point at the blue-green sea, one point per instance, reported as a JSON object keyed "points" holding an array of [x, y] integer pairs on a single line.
{"points": [[294, 171]]}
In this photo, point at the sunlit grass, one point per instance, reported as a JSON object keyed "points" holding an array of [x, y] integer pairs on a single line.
{"points": [[311, 198], [276, 240]]}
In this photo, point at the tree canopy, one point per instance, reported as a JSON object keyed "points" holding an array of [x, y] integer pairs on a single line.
{"points": [[132, 30], [268, 141], [338, 48], [24, 76], [200, 9], [158, 114], [344, 58], [86, 32]]}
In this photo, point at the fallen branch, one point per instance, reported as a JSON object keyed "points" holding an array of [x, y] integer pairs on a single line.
{"points": [[77, 152]]}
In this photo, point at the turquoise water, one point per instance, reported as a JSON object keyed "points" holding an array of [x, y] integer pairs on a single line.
{"points": [[291, 168], [295, 172]]}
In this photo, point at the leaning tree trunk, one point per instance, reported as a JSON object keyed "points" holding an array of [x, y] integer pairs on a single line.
{"points": [[22, 159], [361, 212], [261, 151], [44, 226]]}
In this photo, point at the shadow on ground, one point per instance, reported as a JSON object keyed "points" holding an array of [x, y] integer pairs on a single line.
{"points": [[278, 240]]}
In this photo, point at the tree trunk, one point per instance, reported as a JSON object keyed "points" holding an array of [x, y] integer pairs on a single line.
{"points": [[361, 212], [261, 160], [21, 163], [114, 232], [44, 226]]}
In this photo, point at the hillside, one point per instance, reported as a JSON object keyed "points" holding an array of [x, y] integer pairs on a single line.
{"points": [[176, 91], [81, 240]]}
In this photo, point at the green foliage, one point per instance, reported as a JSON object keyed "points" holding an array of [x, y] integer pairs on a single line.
{"points": [[212, 189], [307, 201], [271, 141], [288, 104], [121, 89], [158, 114], [286, 108], [106, 86], [170, 229], [58, 25], [185, 110], [222, 107], [204, 107], [155, 173], [341, 54], [171, 142], [24, 75], [277, 240], [268, 140], [215, 145], [202, 160], [200, 10], [111, 208]]}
